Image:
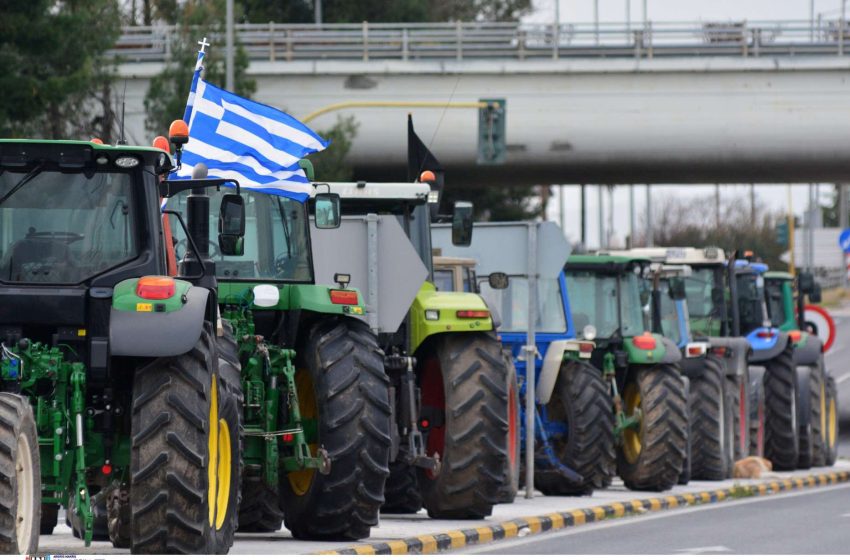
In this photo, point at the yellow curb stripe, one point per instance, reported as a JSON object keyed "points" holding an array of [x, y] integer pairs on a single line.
{"points": [[455, 539], [485, 534], [429, 544]]}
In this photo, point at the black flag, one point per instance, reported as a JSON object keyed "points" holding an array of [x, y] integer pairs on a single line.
{"points": [[420, 158]]}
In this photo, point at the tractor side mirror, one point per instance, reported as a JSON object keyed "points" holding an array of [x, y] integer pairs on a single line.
{"points": [[498, 280], [815, 294], [462, 224], [677, 289], [231, 225], [806, 282], [327, 211]]}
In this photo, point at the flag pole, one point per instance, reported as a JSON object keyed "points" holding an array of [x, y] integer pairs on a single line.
{"points": [[199, 65]]}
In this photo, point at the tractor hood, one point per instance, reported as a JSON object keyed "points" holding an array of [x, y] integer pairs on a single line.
{"points": [[436, 312]]}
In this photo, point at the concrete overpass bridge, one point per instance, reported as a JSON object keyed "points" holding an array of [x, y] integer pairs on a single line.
{"points": [[600, 104]]}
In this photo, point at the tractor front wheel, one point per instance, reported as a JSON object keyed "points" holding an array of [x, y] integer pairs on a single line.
{"points": [[402, 492], [781, 435], [184, 459], [652, 453], [831, 424], [20, 487], [465, 401], [581, 407], [344, 391], [511, 486]]}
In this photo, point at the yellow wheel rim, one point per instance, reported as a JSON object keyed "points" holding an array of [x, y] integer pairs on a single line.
{"points": [[224, 473], [212, 467], [631, 437], [833, 422], [300, 481]]}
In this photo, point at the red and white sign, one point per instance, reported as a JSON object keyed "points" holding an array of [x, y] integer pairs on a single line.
{"points": [[823, 323]]}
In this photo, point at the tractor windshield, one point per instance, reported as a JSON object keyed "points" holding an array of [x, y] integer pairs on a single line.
{"points": [[668, 313], [775, 302], [64, 228], [512, 305], [277, 246], [610, 303], [705, 300]]}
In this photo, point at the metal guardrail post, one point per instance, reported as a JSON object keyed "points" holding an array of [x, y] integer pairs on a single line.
{"points": [[167, 35], [841, 23], [648, 40], [638, 40], [521, 43], [556, 39], [405, 53], [756, 42], [271, 41], [287, 35], [459, 39], [366, 41], [745, 42]]}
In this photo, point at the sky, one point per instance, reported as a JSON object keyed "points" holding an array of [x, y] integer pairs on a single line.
{"points": [[574, 11]]}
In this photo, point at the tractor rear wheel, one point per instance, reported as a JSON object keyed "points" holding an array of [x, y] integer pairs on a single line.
{"points": [[465, 400], [781, 441], [185, 455], [652, 455], [118, 513], [712, 435], [402, 493], [831, 424], [343, 389], [20, 488], [580, 402], [757, 416], [509, 490]]}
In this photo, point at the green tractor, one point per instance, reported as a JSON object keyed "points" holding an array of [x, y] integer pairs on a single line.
{"points": [[316, 412], [449, 381], [609, 300], [115, 387], [786, 298]]}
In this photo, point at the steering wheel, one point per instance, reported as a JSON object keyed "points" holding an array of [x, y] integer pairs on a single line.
{"points": [[67, 237], [216, 250]]}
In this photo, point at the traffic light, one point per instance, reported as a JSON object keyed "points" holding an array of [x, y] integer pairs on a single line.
{"points": [[782, 232], [491, 132]]}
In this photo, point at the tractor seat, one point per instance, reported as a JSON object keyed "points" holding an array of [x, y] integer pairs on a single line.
{"points": [[38, 260]]}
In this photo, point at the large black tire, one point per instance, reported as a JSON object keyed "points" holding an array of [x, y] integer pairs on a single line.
{"points": [[49, 518], [757, 418], [737, 391], [180, 484], [402, 493], [831, 439], [685, 475], [712, 436], [582, 401], [813, 409], [119, 513], [463, 380], [20, 487], [781, 435], [656, 461], [510, 488], [341, 377]]}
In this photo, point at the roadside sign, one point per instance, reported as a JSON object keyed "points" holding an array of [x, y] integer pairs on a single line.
{"points": [[844, 240], [818, 319]]}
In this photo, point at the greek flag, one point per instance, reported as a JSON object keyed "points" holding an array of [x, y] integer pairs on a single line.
{"points": [[240, 139]]}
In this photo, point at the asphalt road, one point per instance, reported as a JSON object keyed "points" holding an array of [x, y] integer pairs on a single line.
{"points": [[805, 522]]}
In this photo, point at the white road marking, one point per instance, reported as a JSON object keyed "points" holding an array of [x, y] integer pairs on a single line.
{"points": [[642, 518], [842, 378], [704, 550]]}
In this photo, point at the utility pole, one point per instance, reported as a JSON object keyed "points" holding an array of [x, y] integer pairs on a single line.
{"points": [[628, 20], [318, 11], [229, 79], [596, 22], [556, 36], [791, 265], [650, 241], [810, 231], [631, 217], [717, 206], [645, 18], [583, 219], [601, 200], [610, 232], [752, 204], [562, 206]]}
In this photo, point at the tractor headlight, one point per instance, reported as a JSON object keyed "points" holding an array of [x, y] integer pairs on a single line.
{"points": [[588, 332], [432, 314]]}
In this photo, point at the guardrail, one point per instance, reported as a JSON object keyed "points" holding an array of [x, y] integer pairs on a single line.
{"points": [[475, 40]]}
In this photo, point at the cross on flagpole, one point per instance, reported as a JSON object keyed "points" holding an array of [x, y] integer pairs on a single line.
{"points": [[203, 44]]}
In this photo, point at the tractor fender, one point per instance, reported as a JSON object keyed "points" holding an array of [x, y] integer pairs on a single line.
{"points": [[767, 354], [672, 353], [693, 367], [155, 335], [549, 370], [809, 352], [735, 361]]}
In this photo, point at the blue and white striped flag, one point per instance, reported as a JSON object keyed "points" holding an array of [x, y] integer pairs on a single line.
{"points": [[237, 138]]}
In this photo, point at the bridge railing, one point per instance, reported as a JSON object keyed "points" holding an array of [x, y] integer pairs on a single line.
{"points": [[476, 40]]}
